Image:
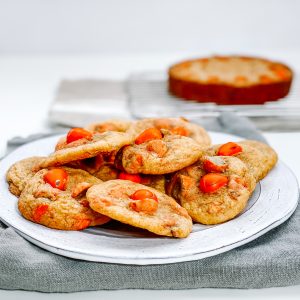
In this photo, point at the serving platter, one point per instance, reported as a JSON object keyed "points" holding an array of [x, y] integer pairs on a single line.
{"points": [[273, 202]]}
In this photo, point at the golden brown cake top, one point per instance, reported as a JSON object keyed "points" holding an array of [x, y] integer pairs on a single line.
{"points": [[231, 70]]}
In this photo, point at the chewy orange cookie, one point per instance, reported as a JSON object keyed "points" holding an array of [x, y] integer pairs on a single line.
{"points": [[56, 198], [82, 144], [213, 190], [260, 158], [161, 155], [109, 125], [20, 173], [174, 126], [140, 206]]}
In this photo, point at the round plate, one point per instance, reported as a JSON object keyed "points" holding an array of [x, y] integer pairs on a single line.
{"points": [[273, 201]]}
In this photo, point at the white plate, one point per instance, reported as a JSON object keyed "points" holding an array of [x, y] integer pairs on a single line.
{"points": [[274, 200]]}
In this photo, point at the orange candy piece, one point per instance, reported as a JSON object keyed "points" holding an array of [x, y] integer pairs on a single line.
{"points": [[132, 177], [57, 178], [157, 146], [209, 166], [143, 194], [82, 224], [78, 133], [148, 206], [211, 182], [229, 149], [180, 131], [148, 135], [39, 212], [144, 201]]}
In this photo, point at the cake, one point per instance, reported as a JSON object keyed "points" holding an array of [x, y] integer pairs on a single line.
{"points": [[230, 80]]}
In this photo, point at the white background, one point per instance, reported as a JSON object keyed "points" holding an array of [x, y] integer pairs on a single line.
{"points": [[116, 26]]}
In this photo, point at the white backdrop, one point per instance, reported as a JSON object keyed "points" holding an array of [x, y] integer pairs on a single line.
{"points": [[116, 26]]}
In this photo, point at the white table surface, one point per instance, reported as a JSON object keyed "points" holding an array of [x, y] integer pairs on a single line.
{"points": [[27, 87]]}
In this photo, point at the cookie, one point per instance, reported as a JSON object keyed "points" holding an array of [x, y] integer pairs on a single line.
{"points": [[176, 126], [213, 190], [106, 172], [258, 157], [64, 208], [99, 127], [95, 165], [269, 158], [159, 156], [61, 144], [157, 182], [20, 172], [109, 125], [83, 148], [159, 214]]}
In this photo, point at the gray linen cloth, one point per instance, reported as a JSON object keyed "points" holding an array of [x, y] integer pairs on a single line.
{"points": [[269, 261]]}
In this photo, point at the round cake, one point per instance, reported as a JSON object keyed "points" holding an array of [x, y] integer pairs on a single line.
{"points": [[230, 80]]}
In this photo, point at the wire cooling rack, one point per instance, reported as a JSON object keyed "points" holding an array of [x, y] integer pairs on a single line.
{"points": [[148, 97]]}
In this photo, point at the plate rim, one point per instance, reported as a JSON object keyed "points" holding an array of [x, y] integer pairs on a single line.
{"points": [[156, 261]]}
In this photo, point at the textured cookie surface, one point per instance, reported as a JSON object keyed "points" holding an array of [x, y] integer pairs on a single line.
{"points": [[109, 125], [97, 165], [112, 198], [157, 182], [230, 80], [106, 142], [98, 127], [19, 173], [161, 156], [269, 156], [66, 210], [174, 126], [106, 172], [215, 207], [258, 157]]}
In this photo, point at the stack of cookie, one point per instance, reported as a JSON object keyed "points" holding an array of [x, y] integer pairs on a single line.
{"points": [[157, 174]]}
